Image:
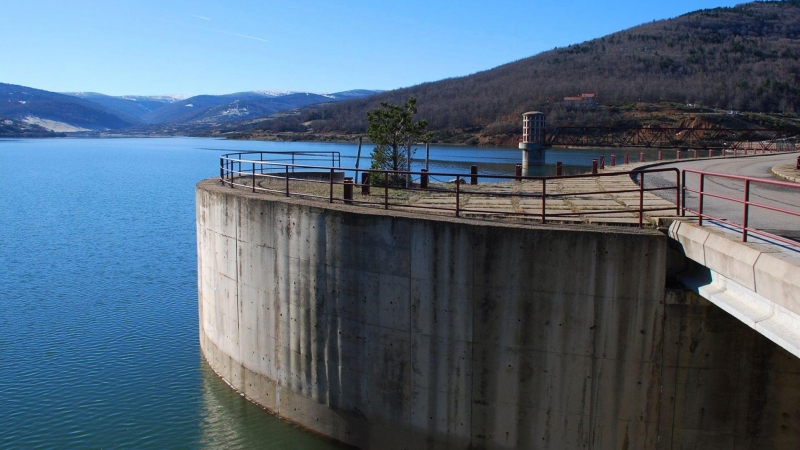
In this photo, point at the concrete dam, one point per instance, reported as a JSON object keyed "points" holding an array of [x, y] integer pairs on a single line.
{"points": [[393, 330]]}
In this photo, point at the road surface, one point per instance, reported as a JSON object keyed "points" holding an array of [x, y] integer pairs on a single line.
{"points": [[756, 166]]}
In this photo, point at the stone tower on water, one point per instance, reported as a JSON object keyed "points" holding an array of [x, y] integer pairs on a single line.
{"points": [[533, 138]]}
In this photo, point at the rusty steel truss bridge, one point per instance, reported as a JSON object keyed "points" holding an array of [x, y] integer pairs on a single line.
{"points": [[678, 138]]}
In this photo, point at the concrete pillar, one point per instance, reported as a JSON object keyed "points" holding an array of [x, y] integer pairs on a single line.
{"points": [[532, 154]]}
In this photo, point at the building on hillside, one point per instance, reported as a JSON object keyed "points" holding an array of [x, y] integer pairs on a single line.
{"points": [[572, 102], [587, 100]]}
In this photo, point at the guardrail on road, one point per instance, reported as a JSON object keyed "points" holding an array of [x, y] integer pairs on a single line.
{"points": [[745, 200]]}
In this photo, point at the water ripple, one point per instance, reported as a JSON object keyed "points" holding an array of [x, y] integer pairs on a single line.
{"points": [[98, 303]]}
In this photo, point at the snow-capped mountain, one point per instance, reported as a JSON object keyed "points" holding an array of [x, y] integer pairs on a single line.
{"points": [[91, 111]]}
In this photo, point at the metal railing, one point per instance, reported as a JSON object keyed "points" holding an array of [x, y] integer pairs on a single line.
{"points": [[273, 177], [745, 201], [228, 161]]}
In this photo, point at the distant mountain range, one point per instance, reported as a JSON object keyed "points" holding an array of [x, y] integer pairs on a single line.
{"points": [[691, 69], [94, 112]]}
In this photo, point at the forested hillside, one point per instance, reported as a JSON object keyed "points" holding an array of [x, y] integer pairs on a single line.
{"points": [[744, 58]]}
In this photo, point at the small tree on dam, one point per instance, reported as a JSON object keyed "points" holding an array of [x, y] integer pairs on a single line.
{"points": [[393, 131]]}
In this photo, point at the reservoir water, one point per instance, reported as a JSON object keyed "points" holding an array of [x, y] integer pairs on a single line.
{"points": [[98, 294]]}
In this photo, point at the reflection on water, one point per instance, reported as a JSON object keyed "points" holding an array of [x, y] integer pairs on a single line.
{"points": [[228, 420]]}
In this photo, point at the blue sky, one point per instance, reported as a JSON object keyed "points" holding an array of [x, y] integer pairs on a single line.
{"points": [[147, 47]]}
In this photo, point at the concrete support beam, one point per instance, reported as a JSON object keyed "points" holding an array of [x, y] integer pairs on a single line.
{"points": [[757, 285]]}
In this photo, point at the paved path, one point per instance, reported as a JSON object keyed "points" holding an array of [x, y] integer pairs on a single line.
{"points": [[569, 200], [755, 166]]}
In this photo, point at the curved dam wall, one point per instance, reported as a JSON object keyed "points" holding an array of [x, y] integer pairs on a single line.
{"points": [[395, 331]]}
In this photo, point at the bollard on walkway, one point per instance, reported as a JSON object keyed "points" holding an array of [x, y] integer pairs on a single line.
{"points": [[473, 179], [594, 167], [348, 190], [365, 183], [641, 156], [518, 172], [423, 179], [613, 160], [559, 170]]}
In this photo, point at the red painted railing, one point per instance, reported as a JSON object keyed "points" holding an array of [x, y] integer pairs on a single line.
{"points": [[236, 170], [744, 200]]}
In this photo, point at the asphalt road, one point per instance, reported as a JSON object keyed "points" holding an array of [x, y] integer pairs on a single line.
{"points": [[756, 166]]}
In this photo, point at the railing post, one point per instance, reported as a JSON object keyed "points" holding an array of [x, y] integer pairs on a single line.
{"points": [[746, 209], [559, 169], [287, 180], [700, 198], [331, 178], [683, 193], [458, 192], [641, 198], [544, 199], [473, 179], [385, 190], [254, 177], [423, 179], [678, 193], [221, 170]]}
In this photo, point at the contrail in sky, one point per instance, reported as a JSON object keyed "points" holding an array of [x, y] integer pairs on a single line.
{"points": [[199, 17], [216, 30], [238, 35]]}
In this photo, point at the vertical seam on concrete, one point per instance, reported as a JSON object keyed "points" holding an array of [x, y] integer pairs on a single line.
{"points": [[755, 281], [472, 346], [237, 207], [663, 365], [736, 400], [675, 381]]}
